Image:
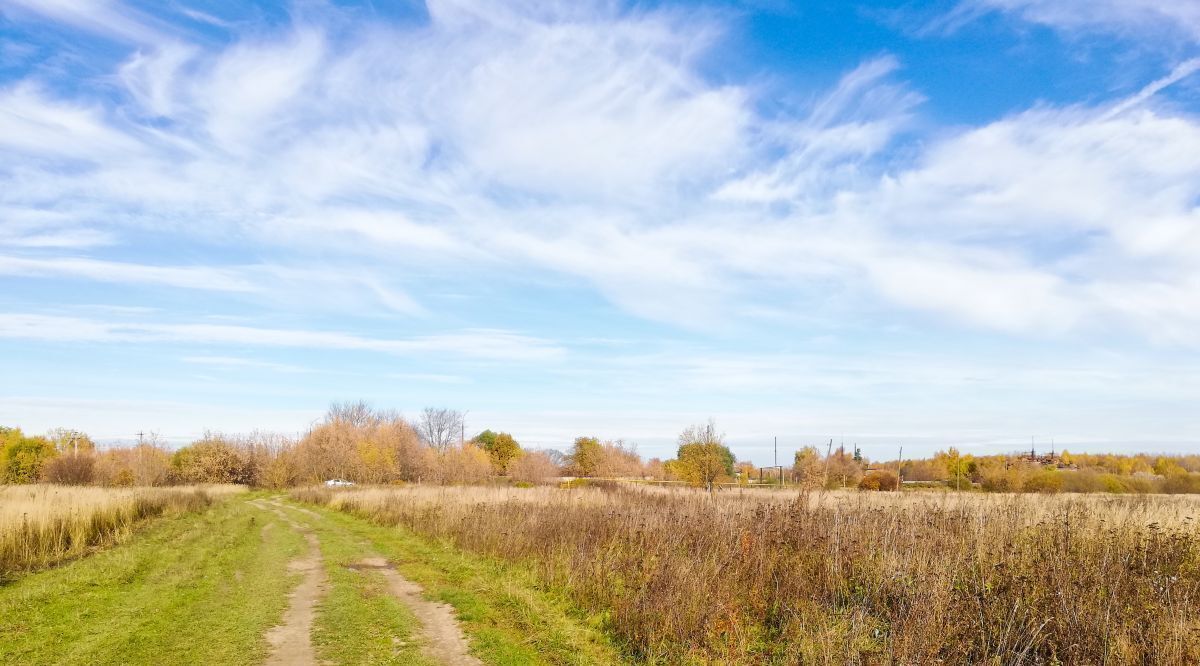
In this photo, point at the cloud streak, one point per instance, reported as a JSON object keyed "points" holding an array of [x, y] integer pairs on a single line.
{"points": [[398, 152], [1131, 18], [493, 345]]}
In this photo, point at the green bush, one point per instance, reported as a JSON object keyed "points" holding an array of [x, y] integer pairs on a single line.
{"points": [[1044, 481]]}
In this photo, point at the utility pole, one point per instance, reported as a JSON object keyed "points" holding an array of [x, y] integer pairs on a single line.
{"points": [[140, 434], [777, 467], [828, 452], [899, 469]]}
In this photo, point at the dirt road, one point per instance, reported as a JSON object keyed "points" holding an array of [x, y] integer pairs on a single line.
{"points": [[441, 638]]}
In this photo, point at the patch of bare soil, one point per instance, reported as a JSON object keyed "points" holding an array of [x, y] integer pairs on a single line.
{"points": [[444, 639], [291, 640]]}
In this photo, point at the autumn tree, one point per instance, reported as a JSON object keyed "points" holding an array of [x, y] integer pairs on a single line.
{"points": [[533, 467], [807, 468], [67, 441], [585, 456], [21, 457], [463, 464], [440, 427], [703, 458], [209, 460], [357, 414], [880, 479], [655, 469], [744, 471], [356, 443], [618, 460], [500, 446], [958, 466], [843, 470]]}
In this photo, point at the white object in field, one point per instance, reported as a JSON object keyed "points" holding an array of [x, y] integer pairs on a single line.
{"points": [[338, 483]]}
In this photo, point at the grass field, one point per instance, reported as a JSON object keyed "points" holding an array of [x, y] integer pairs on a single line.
{"points": [[44, 524], [206, 587], [614, 575], [773, 577]]}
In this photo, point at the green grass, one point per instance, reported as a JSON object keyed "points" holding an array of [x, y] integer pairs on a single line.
{"points": [[506, 615], [203, 588], [359, 621], [191, 589]]}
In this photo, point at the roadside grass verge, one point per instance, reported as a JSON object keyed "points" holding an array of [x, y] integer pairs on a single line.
{"points": [[190, 589], [509, 618], [42, 525]]}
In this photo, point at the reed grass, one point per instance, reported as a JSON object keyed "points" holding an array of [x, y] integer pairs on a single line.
{"points": [[842, 578], [41, 525]]}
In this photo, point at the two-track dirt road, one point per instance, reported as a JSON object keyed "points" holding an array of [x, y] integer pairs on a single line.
{"points": [[441, 637]]}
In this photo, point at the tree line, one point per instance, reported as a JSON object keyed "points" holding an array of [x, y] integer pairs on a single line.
{"points": [[356, 442]]}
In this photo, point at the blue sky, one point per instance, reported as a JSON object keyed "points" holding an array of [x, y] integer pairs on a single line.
{"points": [[924, 224]]}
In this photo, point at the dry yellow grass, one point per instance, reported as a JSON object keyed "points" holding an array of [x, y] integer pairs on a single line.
{"points": [[842, 577], [44, 524]]}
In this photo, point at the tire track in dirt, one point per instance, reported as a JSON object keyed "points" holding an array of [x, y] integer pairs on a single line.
{"points": [[444, 640], [291, 640]]}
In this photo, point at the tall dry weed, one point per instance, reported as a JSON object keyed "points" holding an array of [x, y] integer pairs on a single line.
{"points": [[44, 524], [903, 578]]}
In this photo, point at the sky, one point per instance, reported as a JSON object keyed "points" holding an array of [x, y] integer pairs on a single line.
{"points": [[970, 223]]}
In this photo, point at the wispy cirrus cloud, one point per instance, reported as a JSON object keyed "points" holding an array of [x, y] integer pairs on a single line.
{"points": [[259, 282], [478, 344], [237, 362], [403, 150], [1133, 18]]}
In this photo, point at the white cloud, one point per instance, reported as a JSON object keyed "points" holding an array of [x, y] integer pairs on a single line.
{"points": [[1141, 18], [480, 344], [105, 17], [151, 77], [236, 362], [33, 123], [825, 150], [582, 141], [265, 283], [1038, 221], [428, 378], [202, 277]]}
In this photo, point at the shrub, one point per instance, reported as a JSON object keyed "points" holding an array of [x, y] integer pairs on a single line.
{"points": [[142, 465], [210, 460], [1111, 483], [1083, 481], [1044, 481], [533, 467], [21, 457], [464, 464], [879, 480], [1182, 482], [70, 470]]}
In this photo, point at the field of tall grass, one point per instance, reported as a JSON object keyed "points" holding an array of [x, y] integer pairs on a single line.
{"points": [[44, 524], [841, 578]]}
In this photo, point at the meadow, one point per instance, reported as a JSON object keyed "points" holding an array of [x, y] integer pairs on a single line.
{"points": [[590, 555], [44, 524], [682, 576]]}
